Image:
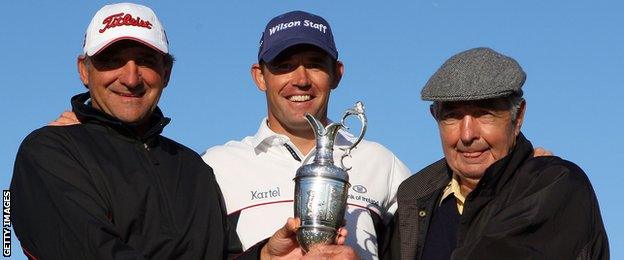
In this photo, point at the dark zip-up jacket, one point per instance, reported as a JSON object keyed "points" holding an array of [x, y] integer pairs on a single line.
{"points": [[524, 207], [98, 191]]}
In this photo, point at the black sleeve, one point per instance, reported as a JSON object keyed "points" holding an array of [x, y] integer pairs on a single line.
{"points": [[235, 247], [58, 213], [389, 248], [553, 215], [254, 252]]}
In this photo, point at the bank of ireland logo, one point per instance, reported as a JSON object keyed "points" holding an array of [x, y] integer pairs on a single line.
{"points": [[359, 188]]}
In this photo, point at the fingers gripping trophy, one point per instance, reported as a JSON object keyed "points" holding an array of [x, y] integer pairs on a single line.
{"points": [[321, 188]]}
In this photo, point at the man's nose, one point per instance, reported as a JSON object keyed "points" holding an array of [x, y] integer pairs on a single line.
{"points": [[130, 75], [469, 129], [301, 78]]}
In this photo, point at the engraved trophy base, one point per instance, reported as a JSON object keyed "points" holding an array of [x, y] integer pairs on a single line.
{"points": [[308, 236]]}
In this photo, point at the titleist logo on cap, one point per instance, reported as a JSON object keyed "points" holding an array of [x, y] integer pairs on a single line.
{"points": [[120, 19]]}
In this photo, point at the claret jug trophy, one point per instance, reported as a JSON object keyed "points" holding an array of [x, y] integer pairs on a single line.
{"points": [[321, 188]]}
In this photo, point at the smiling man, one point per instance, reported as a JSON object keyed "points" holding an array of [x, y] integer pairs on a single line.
{"points": [[297, 70], [112, 187], [489, 197]]}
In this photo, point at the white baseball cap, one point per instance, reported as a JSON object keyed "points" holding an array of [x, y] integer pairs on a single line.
{"points": [[124, 21]]}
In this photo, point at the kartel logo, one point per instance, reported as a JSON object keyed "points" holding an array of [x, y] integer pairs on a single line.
{"points": [[265, 194], [359, 188]]}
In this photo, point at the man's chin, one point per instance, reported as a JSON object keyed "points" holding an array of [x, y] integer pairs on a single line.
{"points": [[472, 172], [300, 124], [133, 120]]}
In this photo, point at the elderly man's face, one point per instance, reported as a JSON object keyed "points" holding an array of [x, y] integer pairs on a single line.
{"points": [[125, 80], [475, 134]]}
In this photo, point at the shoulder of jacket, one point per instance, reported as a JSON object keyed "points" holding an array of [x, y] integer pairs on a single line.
{"points": [[178, 146], [49, 135], [426, 180], [551, 169]]}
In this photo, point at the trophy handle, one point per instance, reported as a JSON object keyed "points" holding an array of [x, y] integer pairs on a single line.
{"points": [[357, 110]]}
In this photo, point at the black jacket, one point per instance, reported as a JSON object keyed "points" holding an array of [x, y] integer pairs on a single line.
{"points": [[524, 207], [98, 191]]}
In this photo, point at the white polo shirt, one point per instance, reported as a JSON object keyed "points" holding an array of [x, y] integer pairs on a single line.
{"points": [[256, 178]]}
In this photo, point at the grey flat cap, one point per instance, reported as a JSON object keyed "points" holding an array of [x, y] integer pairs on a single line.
{"points": [[479, 73]]}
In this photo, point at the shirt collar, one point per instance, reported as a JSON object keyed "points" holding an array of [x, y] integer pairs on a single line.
{"points": [[266, 136], [453, 188]]}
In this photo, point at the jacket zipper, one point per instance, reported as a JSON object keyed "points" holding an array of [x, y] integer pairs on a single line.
{"points": [[161, 189]]}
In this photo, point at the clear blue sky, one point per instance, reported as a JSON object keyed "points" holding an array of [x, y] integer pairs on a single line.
{"points": [[572, 51]]}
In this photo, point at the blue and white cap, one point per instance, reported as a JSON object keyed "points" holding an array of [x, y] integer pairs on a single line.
{"points": [[292, 28]]}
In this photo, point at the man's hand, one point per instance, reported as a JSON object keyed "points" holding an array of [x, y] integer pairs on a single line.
{"points": [[67, 118], [539, 151], [283, 245]]}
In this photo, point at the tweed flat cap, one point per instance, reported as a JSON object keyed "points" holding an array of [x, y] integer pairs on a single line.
{"points": [[475, 74]]}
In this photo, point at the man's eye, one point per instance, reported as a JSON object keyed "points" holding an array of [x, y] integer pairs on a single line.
{"points": [[315, 65], [484, 114], [450, 115], [283, 66], [109, 62], [479, 113], [145, 61], [449, 118]]}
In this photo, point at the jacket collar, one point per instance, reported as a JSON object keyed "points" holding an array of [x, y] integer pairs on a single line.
{"points": [[499, 173], [87, 114], [420, 192], [437, 175]]}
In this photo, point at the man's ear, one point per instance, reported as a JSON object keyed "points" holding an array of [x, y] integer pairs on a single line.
{"points": [[338, 72], [433, 112], [83, 70], [258, 77], [520, 118], [167, 75]]}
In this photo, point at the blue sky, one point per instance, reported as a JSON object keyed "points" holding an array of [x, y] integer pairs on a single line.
{"points": [[572, 52]]}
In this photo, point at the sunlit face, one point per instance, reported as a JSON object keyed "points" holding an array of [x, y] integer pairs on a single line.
{"points": [[125, 80], [476, 134], [299, 80]]}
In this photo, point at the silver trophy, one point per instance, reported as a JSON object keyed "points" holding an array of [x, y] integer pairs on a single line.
{"points": [[321, 188]]}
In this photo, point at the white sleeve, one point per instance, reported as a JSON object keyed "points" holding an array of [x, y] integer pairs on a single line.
{"points": [[398, 174]]}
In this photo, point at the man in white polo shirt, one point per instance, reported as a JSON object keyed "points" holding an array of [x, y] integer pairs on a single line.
{"points": [[297, 69]]}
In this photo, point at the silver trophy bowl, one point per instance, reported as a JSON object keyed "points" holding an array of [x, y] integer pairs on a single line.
{"points": [[321, 188]]}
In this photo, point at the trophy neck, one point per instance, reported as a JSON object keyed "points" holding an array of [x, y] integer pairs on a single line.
{"points": [[325, 136], [324, 150]]}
